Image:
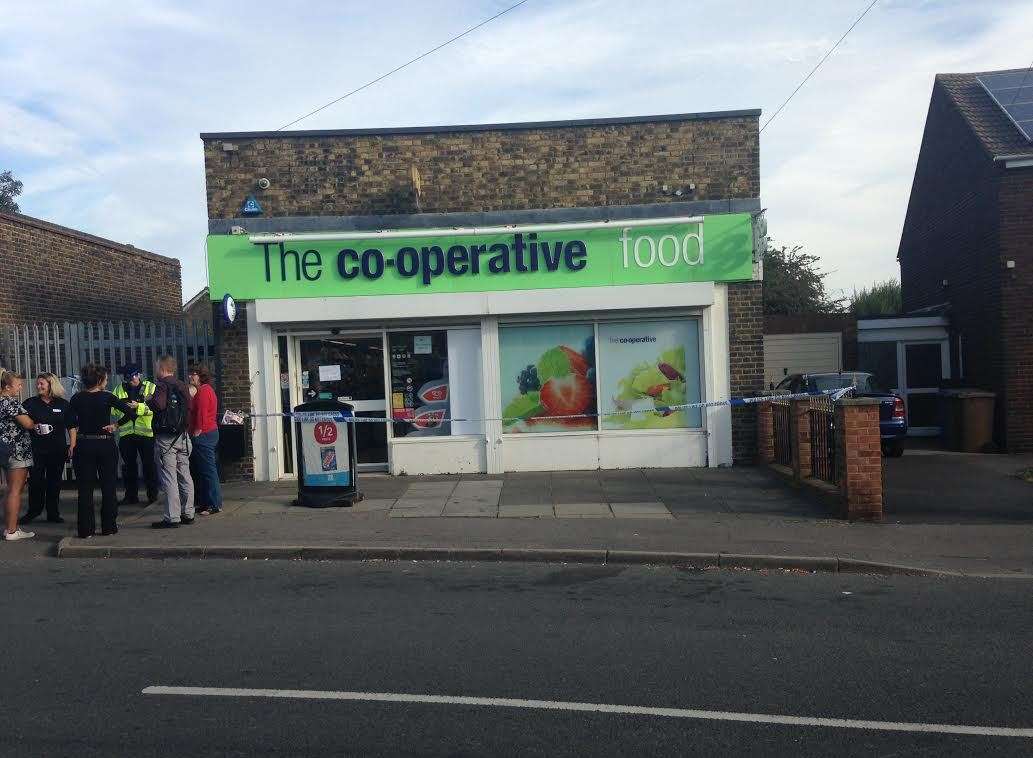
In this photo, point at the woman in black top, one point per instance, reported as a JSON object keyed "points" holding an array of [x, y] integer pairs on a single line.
{"points": [[96, 456], [53, 442]]}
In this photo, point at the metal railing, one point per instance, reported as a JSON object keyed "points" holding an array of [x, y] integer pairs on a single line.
{"points": [[782, 427], [64, 348], [822, 419]]}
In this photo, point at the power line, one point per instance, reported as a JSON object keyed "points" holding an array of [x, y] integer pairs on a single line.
{"points": [[823, 58], [1021, 85], [407, 63]]}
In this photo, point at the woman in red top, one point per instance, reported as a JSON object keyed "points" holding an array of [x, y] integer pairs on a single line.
{"points": [[205, 434]]}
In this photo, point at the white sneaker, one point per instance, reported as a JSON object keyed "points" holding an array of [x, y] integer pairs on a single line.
{"points": [[17, 534]]}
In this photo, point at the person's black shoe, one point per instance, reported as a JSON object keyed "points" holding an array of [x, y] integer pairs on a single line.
{"points": [[164, 525], [27, 519], [109, 532], [55, 520], [152, 498], [188, 520]]}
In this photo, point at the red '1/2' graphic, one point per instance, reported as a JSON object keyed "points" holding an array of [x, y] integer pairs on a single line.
{"points": [[325, 432]]}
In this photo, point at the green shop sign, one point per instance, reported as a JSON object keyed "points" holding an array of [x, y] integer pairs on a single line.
{"points": [[719, 249]]}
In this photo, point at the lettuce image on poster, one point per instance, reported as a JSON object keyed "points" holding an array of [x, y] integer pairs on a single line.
{"points": [[647, 367], [548, 372]]}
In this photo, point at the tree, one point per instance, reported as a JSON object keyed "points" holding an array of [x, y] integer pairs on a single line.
{"points": [[881, 299], [10, 188], [794, 285]]}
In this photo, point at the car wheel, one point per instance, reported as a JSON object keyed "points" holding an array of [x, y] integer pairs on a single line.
{"points": [[893, 450]]}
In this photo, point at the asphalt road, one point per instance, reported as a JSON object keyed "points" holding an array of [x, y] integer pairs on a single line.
{"points": [[85, 639]]}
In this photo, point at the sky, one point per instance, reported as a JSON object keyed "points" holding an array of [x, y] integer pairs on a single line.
{"points": [[102, 102]]}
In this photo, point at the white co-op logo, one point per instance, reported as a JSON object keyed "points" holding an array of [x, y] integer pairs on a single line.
{"points": [[669, 250]]}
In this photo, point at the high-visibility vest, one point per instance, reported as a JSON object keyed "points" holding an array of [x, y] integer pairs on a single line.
{"points": [[141, 425]]}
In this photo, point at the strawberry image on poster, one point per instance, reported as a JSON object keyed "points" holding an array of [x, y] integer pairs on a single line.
{"points": [[566, 395], [558, 385]]}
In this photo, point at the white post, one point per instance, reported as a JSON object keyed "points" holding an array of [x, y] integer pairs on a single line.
{"points": [[491, 399]]}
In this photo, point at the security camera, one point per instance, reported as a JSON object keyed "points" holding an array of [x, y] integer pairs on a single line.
{"points": [[238, 230], [335, 331], [264, 183]]}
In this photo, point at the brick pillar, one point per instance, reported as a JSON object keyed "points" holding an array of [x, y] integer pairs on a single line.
{"points": [[800, 437], [859, 457], [765, 435], [233, 385]]}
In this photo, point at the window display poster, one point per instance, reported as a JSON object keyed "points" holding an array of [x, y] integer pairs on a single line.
{"points": [[547, 371], [324, 445], [647, 366], [419, 384]]}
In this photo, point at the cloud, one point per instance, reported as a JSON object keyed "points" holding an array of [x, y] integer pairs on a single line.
{"points": [[101, 111]]}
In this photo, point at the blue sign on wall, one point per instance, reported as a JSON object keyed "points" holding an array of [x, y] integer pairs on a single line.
{"points": [[251, 207]]}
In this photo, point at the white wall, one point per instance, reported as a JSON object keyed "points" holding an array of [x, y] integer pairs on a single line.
{"points": [[669, 448], [441, 455]]}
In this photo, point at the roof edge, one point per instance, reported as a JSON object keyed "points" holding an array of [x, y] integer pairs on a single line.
{"points": [[508, 126], [48, 226], [201, 294], [416, 221]]}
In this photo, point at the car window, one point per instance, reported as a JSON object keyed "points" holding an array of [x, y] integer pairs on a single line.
{"points": [[861, 382]]}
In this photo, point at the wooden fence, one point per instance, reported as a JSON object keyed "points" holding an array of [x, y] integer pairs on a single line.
{"points": [[64, 348]]}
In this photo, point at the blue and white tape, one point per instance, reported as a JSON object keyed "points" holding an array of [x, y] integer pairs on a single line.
{"points": [[309, 417]]}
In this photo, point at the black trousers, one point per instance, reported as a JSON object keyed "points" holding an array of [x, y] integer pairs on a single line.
{"points": [[45, 482], [131, 446], [96, 460]]}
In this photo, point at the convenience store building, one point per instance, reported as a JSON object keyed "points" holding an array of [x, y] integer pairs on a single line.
{"points": [[513, 297]]}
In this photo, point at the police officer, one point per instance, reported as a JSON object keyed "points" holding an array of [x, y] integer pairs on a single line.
{"points": [[136, 438]]}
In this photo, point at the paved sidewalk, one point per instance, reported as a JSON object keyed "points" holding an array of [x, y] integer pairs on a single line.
{"points": [[713, 517]]}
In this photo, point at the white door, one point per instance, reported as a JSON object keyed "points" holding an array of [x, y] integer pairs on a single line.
{"points": [[923, 367]]}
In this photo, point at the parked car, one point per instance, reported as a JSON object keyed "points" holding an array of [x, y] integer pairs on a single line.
{"points": [[892, 414]]}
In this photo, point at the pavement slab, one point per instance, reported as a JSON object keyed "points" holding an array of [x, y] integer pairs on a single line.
{"points": [[527, 510], [583, 510], [653, 509]]}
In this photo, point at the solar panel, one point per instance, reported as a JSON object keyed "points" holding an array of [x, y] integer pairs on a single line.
{"points": [[1013, 93]]}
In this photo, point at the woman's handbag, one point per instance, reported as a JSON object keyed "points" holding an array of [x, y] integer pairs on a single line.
{"points": [[6, 451]]}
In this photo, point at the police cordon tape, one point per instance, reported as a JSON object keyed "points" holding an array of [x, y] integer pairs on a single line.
{"points": [[307, 417]]}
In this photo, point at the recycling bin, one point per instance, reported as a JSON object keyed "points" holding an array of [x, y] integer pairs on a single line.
{"points": [[969, 420], [326, 454]]}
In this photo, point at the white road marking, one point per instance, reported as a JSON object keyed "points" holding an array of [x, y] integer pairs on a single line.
{"points": [[623, 710]]}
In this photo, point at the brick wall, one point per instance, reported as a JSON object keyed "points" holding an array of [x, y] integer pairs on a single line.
{"points": [[1016, 235], [493, 169], [746, 363], [233, 383], [53, 273], [951, 233]]}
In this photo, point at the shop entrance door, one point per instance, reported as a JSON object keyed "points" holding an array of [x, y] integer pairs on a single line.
{"points": [[349, 369]]}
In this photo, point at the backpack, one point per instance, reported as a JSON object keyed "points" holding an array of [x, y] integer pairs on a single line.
{"points": [[172, 420]]}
